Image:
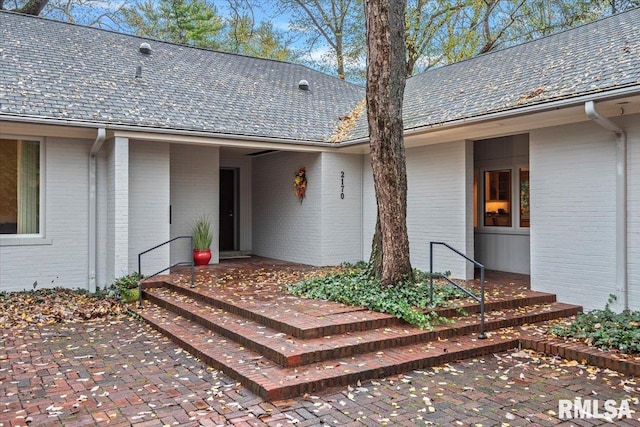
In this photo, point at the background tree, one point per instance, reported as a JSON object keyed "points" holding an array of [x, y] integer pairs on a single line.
{"points": [[199, 23], [188, 22], [263, 41], [472, 27], [336, 24], [29, 7], [424, 20], [386, 67], [95, 13], [616, 6]]}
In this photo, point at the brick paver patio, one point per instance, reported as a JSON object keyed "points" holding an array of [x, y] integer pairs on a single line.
{"points": [[121, 372]]}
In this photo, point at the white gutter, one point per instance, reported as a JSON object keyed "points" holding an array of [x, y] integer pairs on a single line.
{"points": [[93, 229], [162, 131], [621, 198]]}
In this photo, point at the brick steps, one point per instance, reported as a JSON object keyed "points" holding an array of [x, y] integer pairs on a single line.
{"points": [[524, 300], [289, 319], [238, 319], [289, 351], [273, 382], [299, 321]]}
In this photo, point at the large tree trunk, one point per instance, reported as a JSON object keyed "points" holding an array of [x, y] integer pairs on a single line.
{"points": [[386, 64]]}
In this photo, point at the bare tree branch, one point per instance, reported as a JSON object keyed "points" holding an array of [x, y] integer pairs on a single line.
{"points": [[32, 7]]}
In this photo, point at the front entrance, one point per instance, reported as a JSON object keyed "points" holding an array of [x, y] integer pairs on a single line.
{"points": [[228, 210]]}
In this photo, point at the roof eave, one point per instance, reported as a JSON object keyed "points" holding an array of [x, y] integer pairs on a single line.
{"points": [[513, 112], [140, 131], [284, 143]]}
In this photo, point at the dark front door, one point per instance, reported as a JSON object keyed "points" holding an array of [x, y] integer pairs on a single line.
{"points": [[227, 209]]}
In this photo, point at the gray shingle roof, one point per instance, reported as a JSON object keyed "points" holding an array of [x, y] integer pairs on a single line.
{"points": [[57, 70], [596, 57]]}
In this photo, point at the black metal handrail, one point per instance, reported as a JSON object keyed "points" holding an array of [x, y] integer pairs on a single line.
{"points": [[190, 263], [480, 298]]}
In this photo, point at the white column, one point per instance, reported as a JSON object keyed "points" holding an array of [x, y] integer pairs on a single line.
{"points": [[121, 207]]}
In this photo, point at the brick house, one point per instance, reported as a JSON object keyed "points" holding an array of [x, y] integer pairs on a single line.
{"points": [[527, 159]]}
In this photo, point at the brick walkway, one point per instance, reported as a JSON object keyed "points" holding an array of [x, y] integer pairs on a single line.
{"points": [[121, 372]]}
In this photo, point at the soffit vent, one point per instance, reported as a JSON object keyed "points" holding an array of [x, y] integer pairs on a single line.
{"points": [[303, 85], [145, 48]]}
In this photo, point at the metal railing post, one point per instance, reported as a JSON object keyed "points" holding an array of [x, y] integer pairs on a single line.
{"points": [[193, 285], [139, 280], [482, 335], [431, 273]]}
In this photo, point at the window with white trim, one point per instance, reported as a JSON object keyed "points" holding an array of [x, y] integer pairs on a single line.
{"points": [[497, 198], [19, 186]]}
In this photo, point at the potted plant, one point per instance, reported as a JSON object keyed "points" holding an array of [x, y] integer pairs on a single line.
{"points": [[126, 287], [202, 238]]}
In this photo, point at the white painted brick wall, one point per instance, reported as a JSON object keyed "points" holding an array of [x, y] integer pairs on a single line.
{"points": [[341, 217], [148, 205], [233, 159], [64, 262], [195, 184], [284, 228], [438, 205], [573, 213]]}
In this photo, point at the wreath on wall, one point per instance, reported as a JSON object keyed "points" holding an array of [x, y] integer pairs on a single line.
{"points": [[300, 183]]}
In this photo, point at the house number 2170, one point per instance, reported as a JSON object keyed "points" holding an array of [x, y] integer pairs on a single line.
{"points": [[342, 185]]}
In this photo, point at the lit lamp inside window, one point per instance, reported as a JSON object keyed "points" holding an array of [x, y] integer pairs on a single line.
{"points": [[497, 198]]}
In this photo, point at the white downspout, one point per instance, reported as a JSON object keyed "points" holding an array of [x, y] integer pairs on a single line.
{"points": [[621, 198], [93, 229]]}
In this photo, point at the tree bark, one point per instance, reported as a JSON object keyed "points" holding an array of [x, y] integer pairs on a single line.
{"points": [[386, 66]]}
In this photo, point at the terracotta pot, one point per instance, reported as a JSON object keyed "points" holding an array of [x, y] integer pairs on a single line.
{"points": [[201, 257]]}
